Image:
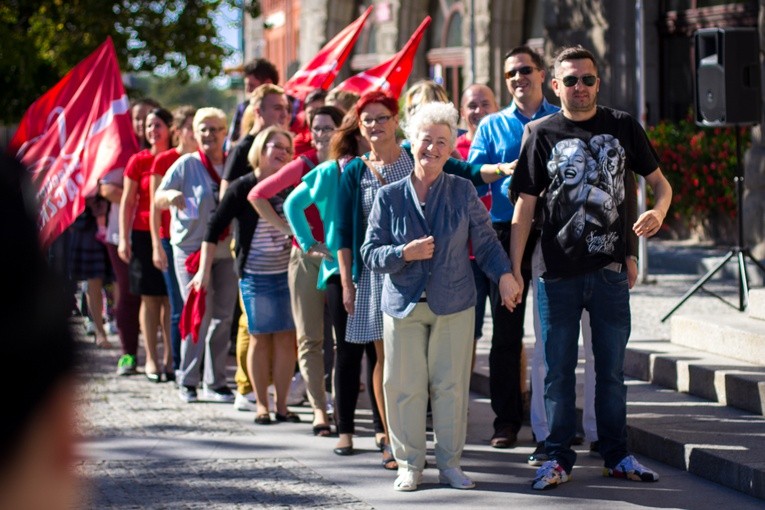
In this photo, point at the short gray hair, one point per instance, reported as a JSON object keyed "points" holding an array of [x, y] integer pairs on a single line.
{"points": [[430, 114]]}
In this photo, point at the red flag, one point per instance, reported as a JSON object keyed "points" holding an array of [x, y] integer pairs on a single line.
{"points": [[320, 72], [391, 75], [74, 134]]}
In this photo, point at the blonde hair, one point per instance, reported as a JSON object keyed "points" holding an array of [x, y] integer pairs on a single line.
{"points": [[208, 113], [259, 144], [261, 91], [342, 99], [248, 119], [424, 91]]}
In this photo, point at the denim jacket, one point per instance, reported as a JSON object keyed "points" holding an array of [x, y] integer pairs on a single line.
{"points": [[453, 215]]}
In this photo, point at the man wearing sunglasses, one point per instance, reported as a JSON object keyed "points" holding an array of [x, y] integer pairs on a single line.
{"points": [[578, 158], [498, 140]]}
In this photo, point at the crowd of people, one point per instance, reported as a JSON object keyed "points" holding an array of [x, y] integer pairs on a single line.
{"points": [[341, 225]]}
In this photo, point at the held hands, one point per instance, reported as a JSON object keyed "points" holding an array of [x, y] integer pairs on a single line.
{"points": [[649, 223], [419, 249], [506, 169], [321, 250], [510, 291]]}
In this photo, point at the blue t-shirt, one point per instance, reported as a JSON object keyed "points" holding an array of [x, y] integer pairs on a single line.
{"points": [[498, 140]]}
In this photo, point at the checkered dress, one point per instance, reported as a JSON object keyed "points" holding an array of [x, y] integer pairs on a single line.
{"points": [[366, 324]]}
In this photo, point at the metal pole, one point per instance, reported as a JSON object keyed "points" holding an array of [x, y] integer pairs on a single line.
{"points": [[472, 41], [640, 75]]}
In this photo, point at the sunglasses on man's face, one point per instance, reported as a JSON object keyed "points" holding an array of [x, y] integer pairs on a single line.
{"points": [[588, 79], [525, 70]]}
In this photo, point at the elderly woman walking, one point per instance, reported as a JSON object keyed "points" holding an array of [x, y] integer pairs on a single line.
{"points": [[417, 235]]}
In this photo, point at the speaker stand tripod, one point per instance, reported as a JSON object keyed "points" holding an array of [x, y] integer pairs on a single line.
{"points": [[739, 252]]}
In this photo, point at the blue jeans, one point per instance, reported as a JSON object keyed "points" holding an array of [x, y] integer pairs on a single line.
{"points": [[176, 303], [605, 294]]}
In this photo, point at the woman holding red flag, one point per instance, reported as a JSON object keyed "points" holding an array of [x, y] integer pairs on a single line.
{"points": [[190, 190]]}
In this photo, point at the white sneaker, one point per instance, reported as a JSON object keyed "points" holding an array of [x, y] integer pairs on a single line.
{"points": [[456, 478], [90, 328], [111, 327], [407, 481], [245, 402]]}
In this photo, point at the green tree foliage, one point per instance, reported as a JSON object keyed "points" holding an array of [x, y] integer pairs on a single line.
{"points": [[171, 91], [41, 40]]}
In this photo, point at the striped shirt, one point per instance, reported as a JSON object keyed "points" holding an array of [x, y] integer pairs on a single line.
{"points": [[270, 249]]}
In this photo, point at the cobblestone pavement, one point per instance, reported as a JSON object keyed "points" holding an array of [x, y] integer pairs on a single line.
{"points": [[142, 413]]}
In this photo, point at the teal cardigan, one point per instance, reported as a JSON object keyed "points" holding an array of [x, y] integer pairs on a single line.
{"points": [[319, 187]]}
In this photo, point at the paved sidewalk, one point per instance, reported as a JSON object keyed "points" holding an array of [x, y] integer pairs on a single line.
{"points": [[144, 448]]}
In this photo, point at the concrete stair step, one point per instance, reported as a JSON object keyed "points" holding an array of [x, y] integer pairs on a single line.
{"points": [[708, 439], [736, 336], [720, 379], [757, 304]]}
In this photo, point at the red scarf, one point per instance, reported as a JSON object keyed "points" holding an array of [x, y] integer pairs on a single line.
{"points": [[209, 166], [216, 179]]}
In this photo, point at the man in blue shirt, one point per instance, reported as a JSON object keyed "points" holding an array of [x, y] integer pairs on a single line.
{"points": [[498, 140]]}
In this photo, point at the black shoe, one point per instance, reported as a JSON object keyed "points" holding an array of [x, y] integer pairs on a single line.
{"points": [[595, 450], [289, 416], [344, 450], [155, 378], [169, 376], [504, 438], [539, 456]]}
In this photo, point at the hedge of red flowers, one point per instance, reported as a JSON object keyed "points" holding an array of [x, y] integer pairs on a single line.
{"points": [[700, 164]]}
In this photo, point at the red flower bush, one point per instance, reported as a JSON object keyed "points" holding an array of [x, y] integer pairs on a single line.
{"points": [[700, 164]]}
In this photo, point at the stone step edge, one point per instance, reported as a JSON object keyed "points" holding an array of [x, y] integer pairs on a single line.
{"points": [[698, 461], [734, 336], [735, 388], [757, 304]]}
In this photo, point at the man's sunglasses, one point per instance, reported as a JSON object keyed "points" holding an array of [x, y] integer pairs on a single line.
{"points": [[525, 70], [587, 79]]}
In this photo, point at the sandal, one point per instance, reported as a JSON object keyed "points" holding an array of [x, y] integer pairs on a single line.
{"points": [[388, 460], [289, 416], [263, 419], [322, 430]]}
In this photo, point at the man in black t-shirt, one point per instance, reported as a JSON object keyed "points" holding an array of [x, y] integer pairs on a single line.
{"points": [[578, 158]]}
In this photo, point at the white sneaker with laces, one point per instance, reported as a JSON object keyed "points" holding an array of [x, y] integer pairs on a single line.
{"points": [[456, 478], [407, 481], [549, 476], [631, 469], [245, 402]]}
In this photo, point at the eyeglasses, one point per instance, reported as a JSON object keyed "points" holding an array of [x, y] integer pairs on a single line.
{"points": [[371, 121], [276, 146], [321, 130], [525, 70], [588, 80], [210, 130]]}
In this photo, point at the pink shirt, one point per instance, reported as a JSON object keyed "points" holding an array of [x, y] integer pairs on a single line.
{"points": [[290, 175]]}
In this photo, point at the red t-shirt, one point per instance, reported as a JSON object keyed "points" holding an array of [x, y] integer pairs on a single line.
{"points": [[162, 162], [463, 146], [137, 169]]}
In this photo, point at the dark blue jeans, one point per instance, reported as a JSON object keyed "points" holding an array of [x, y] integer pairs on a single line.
{"points": [[176, 303], [605, 294]]}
